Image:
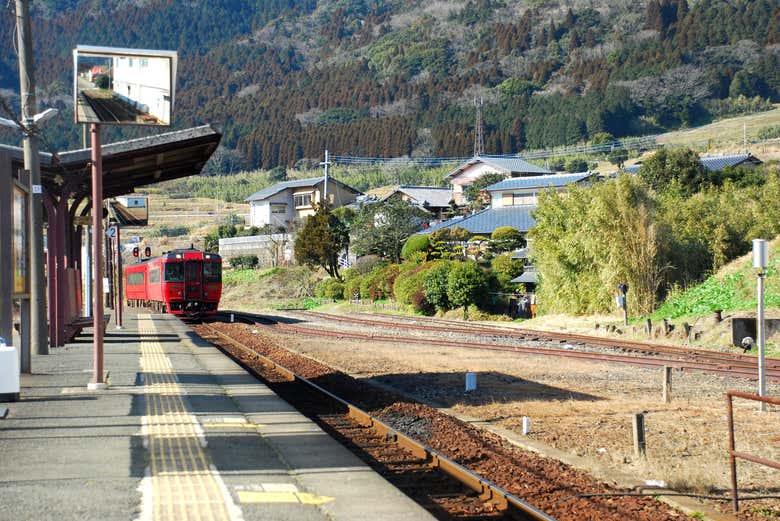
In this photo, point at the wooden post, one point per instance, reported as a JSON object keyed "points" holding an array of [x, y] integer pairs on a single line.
{"points": [[649, 327], [638, 427], [688, 330], [667, 384]]}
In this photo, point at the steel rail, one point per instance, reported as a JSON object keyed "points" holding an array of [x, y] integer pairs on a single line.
{"points": [[715, 366], [489, 492], [699, 355], [98, 106]]}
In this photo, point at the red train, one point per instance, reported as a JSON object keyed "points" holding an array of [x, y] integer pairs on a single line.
{"points": [[181, 282]]}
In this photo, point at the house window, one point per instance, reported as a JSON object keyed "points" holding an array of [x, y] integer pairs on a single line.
{"points": [[302, 200], [526, 198], [278, 208], [144, 62]]}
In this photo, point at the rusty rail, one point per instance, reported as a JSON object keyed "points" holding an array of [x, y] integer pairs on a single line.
{"points": [[488, 491], [733, 452]]}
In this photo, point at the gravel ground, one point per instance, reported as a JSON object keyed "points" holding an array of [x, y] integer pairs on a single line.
{"points": [[565, 493], [585, 408]]}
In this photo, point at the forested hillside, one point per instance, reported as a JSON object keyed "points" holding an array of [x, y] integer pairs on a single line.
{"points": [[286, 78]]}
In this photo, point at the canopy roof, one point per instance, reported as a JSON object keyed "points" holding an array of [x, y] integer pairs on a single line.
{"points": [[127, 164]]}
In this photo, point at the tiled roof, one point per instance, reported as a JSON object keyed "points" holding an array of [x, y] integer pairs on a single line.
{"points": [[712, 163], [484, 222], [539, 181], [522, 253], [507, 165], [527, 277], [428, 196], [267, 192], [715, 163]]}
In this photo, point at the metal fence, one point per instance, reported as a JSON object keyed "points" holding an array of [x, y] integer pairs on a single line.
{"points": [[733, 452]]}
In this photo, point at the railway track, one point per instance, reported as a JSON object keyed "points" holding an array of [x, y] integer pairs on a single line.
{"points": [[445, 488], [456, 471], [109, 110], [641, 354]]}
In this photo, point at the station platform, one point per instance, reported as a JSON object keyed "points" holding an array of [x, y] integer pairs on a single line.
{"points": [[182, 432]]}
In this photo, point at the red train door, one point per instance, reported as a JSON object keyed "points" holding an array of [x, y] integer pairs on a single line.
{"points": [[193, 287]]}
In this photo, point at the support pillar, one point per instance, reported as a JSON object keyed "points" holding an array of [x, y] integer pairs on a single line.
{"points": [[51, 266], [98, 380], [6, 270]]}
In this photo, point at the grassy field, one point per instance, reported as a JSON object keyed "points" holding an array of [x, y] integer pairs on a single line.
{"points": [[726, 136]]}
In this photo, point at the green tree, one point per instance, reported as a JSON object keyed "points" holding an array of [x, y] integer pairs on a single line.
{"points": [[102, 81], [505, 268], [618, 156], [382, 228], [321, 240], [741, 85], [617, 237], [449, 242], [466, 284], [576, 164], [675, 168], [506, 238], [475, 194]]}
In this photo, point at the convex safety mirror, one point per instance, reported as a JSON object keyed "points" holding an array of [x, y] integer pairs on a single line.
{"points": [[115, 86]]}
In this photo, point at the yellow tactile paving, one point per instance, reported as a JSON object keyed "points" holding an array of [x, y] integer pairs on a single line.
{"points": [[183, 483]]}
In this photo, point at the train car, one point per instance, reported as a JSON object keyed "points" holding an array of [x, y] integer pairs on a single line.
{"points": [[180, 282]]}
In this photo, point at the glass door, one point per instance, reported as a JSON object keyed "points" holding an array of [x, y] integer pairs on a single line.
{"points": [[193, 287]]}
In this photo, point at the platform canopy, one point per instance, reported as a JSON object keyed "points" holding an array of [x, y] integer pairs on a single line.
{"points": [[127, 164]]}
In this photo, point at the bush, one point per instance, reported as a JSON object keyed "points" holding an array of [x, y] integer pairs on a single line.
{"points": [[466, 284], [505, 268], [379, 283], [244, 262], [576, 165], [770, 132], [330, 288], [414, 244], [352, 282], [435, 285], [164, 230], [408, 282]]}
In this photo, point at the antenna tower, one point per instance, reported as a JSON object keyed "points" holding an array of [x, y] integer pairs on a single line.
{"points": [[479, 138]]}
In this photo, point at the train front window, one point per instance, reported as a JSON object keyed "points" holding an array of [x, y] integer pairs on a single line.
{"points": [[174, 272], [212, 272]]}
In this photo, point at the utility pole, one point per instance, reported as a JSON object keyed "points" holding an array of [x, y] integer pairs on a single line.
{"points": [[38, 333], [326, 164], [760, 262]]}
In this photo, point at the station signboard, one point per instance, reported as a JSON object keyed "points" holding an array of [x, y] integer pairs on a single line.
{"points": [[19, 243], [116, 86]]}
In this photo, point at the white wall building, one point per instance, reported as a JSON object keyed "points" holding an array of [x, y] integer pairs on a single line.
{"points": [[464, 175], [282, 203], [144, 82], [132, 201]]}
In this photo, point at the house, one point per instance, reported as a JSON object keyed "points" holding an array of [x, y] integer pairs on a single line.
{"points": [[714, 163], [132, 201], [433, 199], [512, 203], [478, 166], [519, 191], [285, 202], [484, 222]]}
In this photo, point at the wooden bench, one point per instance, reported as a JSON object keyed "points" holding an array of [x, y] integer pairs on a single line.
{"points": [[73, 328]]}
